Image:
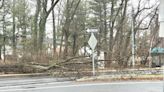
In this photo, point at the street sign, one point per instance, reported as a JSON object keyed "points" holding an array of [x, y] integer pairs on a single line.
{"points": [[92, 41], [161, 29]]}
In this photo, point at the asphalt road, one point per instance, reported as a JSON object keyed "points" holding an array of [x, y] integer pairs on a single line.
{"points": [[58, 85]]}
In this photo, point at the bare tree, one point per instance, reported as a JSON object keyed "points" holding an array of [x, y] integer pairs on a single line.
{"points": [[35, 30], [14, 28], [70, 12], [54, 30], [43, 18]]}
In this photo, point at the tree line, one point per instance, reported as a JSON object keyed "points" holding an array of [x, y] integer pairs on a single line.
{"points": [[24, 28]]}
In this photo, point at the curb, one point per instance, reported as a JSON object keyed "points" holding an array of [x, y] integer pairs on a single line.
{"points": [[119, 78]]}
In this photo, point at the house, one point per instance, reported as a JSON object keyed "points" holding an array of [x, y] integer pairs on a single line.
{"points": [[157, 56]]}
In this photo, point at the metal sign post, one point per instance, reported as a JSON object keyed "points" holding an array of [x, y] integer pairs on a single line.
{"points": [[92, 43], [163, 75], [93, 63]]}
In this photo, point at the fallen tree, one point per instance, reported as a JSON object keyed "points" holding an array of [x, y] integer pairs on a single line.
{"points": [[62, 64]]}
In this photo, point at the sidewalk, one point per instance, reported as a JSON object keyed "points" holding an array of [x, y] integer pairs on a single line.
{"points": [[120, 77], [126, 74]]}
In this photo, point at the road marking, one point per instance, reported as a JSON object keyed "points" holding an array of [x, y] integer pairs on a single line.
{"points": [[79, 85]]}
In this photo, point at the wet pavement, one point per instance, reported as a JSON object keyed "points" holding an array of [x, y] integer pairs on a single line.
{"points": [[62, 85]]}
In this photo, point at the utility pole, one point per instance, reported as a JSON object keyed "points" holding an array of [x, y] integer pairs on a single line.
{"points": [[161, 29]]}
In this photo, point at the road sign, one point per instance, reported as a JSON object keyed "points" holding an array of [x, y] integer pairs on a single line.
{"points": [[92, 41]]}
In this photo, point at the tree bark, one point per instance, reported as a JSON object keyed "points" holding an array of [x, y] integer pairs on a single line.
{"points": [[24, 27], [35, 31], [111, 25], [74, 47], [66, 35], [14, 27], [54, 30], [61, 45], [42, 26], [0, 52]]}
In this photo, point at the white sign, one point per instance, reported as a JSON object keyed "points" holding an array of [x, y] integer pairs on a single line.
{"points": [[161, 29], [161, 11], [92, 30], [161, 18], [92, 41]]}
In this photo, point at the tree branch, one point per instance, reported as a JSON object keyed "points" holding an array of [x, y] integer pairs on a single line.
{"points": [[75, 9], [145, 28], [2, 4], [52, 7]]}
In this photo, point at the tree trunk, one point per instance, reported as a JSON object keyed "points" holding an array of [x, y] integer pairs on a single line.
{"points": [[43, 19], [4, 38], [105, 23], [4, 49], [24, 28], [0, 52], [74, 46], [66, 35], [14, 27], [111, 25], [54, 31], [69, 19], [61, 45], [121, 54], [42, 26], [35, 30]]}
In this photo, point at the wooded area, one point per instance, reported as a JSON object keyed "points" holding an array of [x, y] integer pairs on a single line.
{"points": [[52, 32]]}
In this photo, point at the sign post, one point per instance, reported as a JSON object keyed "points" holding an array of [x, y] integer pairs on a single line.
{"points": [[163, 76], [92, 43], [93, 62]]}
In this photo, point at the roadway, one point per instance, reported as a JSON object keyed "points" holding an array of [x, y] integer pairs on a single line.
{"points": [[64, 85]]}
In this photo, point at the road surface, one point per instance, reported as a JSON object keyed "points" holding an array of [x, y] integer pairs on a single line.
{"points": [[54, 85]]}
